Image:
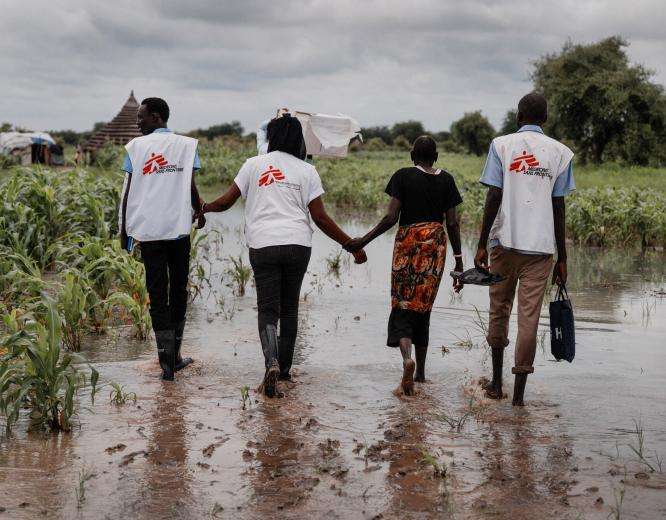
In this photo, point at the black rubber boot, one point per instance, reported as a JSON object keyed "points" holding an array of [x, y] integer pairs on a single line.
{"points": [[181, 362], [166, 351], [269, 344], [285, 358]]}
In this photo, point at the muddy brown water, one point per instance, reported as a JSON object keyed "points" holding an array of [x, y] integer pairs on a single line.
{"points": [[340, 444]]}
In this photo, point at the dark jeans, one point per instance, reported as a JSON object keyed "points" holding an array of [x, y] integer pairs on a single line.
{"points": [[278, 275], [167, 265]]}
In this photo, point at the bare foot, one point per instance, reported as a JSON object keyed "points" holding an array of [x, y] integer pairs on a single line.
{"points": [[408, 377]]}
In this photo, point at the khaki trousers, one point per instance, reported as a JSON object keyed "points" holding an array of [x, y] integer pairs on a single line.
{"points": [[530, 274]]}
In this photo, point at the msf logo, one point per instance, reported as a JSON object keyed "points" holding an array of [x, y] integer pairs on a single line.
{"points": [[154, 164], [270, 176], [523, 163]]}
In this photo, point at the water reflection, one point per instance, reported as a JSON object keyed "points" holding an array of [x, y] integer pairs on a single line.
{"points": [[166, 480]]}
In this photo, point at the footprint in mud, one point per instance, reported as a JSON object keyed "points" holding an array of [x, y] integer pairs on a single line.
{"points": [[208, 450], [129, 458], [114, 449]]}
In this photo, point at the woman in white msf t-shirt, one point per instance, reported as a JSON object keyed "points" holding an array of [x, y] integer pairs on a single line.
{"points": [[282, 192]]}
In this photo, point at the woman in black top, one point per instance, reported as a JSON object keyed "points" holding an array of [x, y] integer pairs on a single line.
{"points": [[422, 197]]}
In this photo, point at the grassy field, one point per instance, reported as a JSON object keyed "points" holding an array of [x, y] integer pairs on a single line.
{"points": [[614, 205]]}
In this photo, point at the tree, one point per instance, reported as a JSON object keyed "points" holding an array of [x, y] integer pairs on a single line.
{"points": [[509, 124], [606, 107], [5, 127], [410, 130], [474, 132], [381, 132], [233, 128]]}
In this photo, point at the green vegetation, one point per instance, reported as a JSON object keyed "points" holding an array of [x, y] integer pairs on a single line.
{"points": [[34, 374], [605, 107], [119, 396], [60, 273], [239, 272]]}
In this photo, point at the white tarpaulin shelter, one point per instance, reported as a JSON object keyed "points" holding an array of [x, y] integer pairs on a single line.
{"points": [[325, 135], [10, 141]]}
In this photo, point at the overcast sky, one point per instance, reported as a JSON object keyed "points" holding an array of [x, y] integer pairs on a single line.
{"points": [[69, 63]]}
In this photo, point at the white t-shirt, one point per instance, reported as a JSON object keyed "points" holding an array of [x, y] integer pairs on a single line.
{"points": [[278, 188]]}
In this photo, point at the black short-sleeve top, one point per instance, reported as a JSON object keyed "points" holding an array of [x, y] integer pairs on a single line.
{"points": [[424, 197]]}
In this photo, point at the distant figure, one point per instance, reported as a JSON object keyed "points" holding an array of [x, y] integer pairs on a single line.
{"points": [[282, 193], [78, 158], [422, 198], [159, 197], [528, 176]]}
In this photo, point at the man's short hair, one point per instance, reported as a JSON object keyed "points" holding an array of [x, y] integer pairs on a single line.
{"points": [[157, 106], [533, 107], [424, 149]]}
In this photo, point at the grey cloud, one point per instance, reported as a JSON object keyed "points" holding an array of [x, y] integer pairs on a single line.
{"points": [[378, 60]]}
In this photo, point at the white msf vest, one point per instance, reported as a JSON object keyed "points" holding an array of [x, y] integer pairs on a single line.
{"points": [[531, 162], [159, 204]]}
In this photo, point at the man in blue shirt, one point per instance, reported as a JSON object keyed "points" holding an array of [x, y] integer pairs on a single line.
{"points": [[167, 260], [528, 175]]}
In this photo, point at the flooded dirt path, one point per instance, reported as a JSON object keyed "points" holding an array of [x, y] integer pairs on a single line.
{"points": [[340, 444]]}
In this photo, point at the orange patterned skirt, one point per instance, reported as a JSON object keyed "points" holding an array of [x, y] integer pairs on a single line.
{"points": [[418, 263]]}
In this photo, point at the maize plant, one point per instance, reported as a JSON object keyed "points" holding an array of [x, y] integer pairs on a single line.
{"points": [[36, 375]]}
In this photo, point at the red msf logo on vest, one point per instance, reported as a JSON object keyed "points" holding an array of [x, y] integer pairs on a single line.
{"points": [[523, 163], [154, 164], [270, 176]]}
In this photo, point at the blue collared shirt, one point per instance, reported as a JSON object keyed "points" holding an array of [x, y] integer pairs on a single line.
{"points": [[127, 163], [493, 175]]}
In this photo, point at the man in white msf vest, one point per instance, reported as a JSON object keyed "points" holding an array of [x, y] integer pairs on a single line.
{"points": [[528, 175], [158, 202]]}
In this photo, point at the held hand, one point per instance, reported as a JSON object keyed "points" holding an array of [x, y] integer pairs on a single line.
{"points": [[201, 221], [355, 244], [560, 272], [481, 258], [360, 257], [457, 284]]}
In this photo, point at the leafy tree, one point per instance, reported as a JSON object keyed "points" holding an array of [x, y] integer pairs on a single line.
{"points": [[71, 137], [606, 107], [474, 132], [402, 143], [5, 127], [381, 132], [410, 130], [234, 128], [509, 124]]}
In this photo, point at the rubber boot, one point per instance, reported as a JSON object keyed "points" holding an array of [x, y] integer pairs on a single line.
{"points": [[494, 388], [285, 358], [166, 352], [181, 362], [519, 389], [269, 344]]}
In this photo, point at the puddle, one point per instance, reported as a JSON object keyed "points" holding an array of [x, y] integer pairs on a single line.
{"points": [[340, 444]]}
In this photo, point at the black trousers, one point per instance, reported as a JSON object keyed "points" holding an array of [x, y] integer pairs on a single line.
{"points": [[278, 275], [167, 265]]}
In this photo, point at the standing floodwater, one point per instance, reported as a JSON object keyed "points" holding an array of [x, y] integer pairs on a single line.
{"points": [[340, 444]]}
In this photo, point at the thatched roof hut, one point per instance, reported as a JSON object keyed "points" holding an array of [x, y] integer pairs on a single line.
{"points": [[120, 130]]}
